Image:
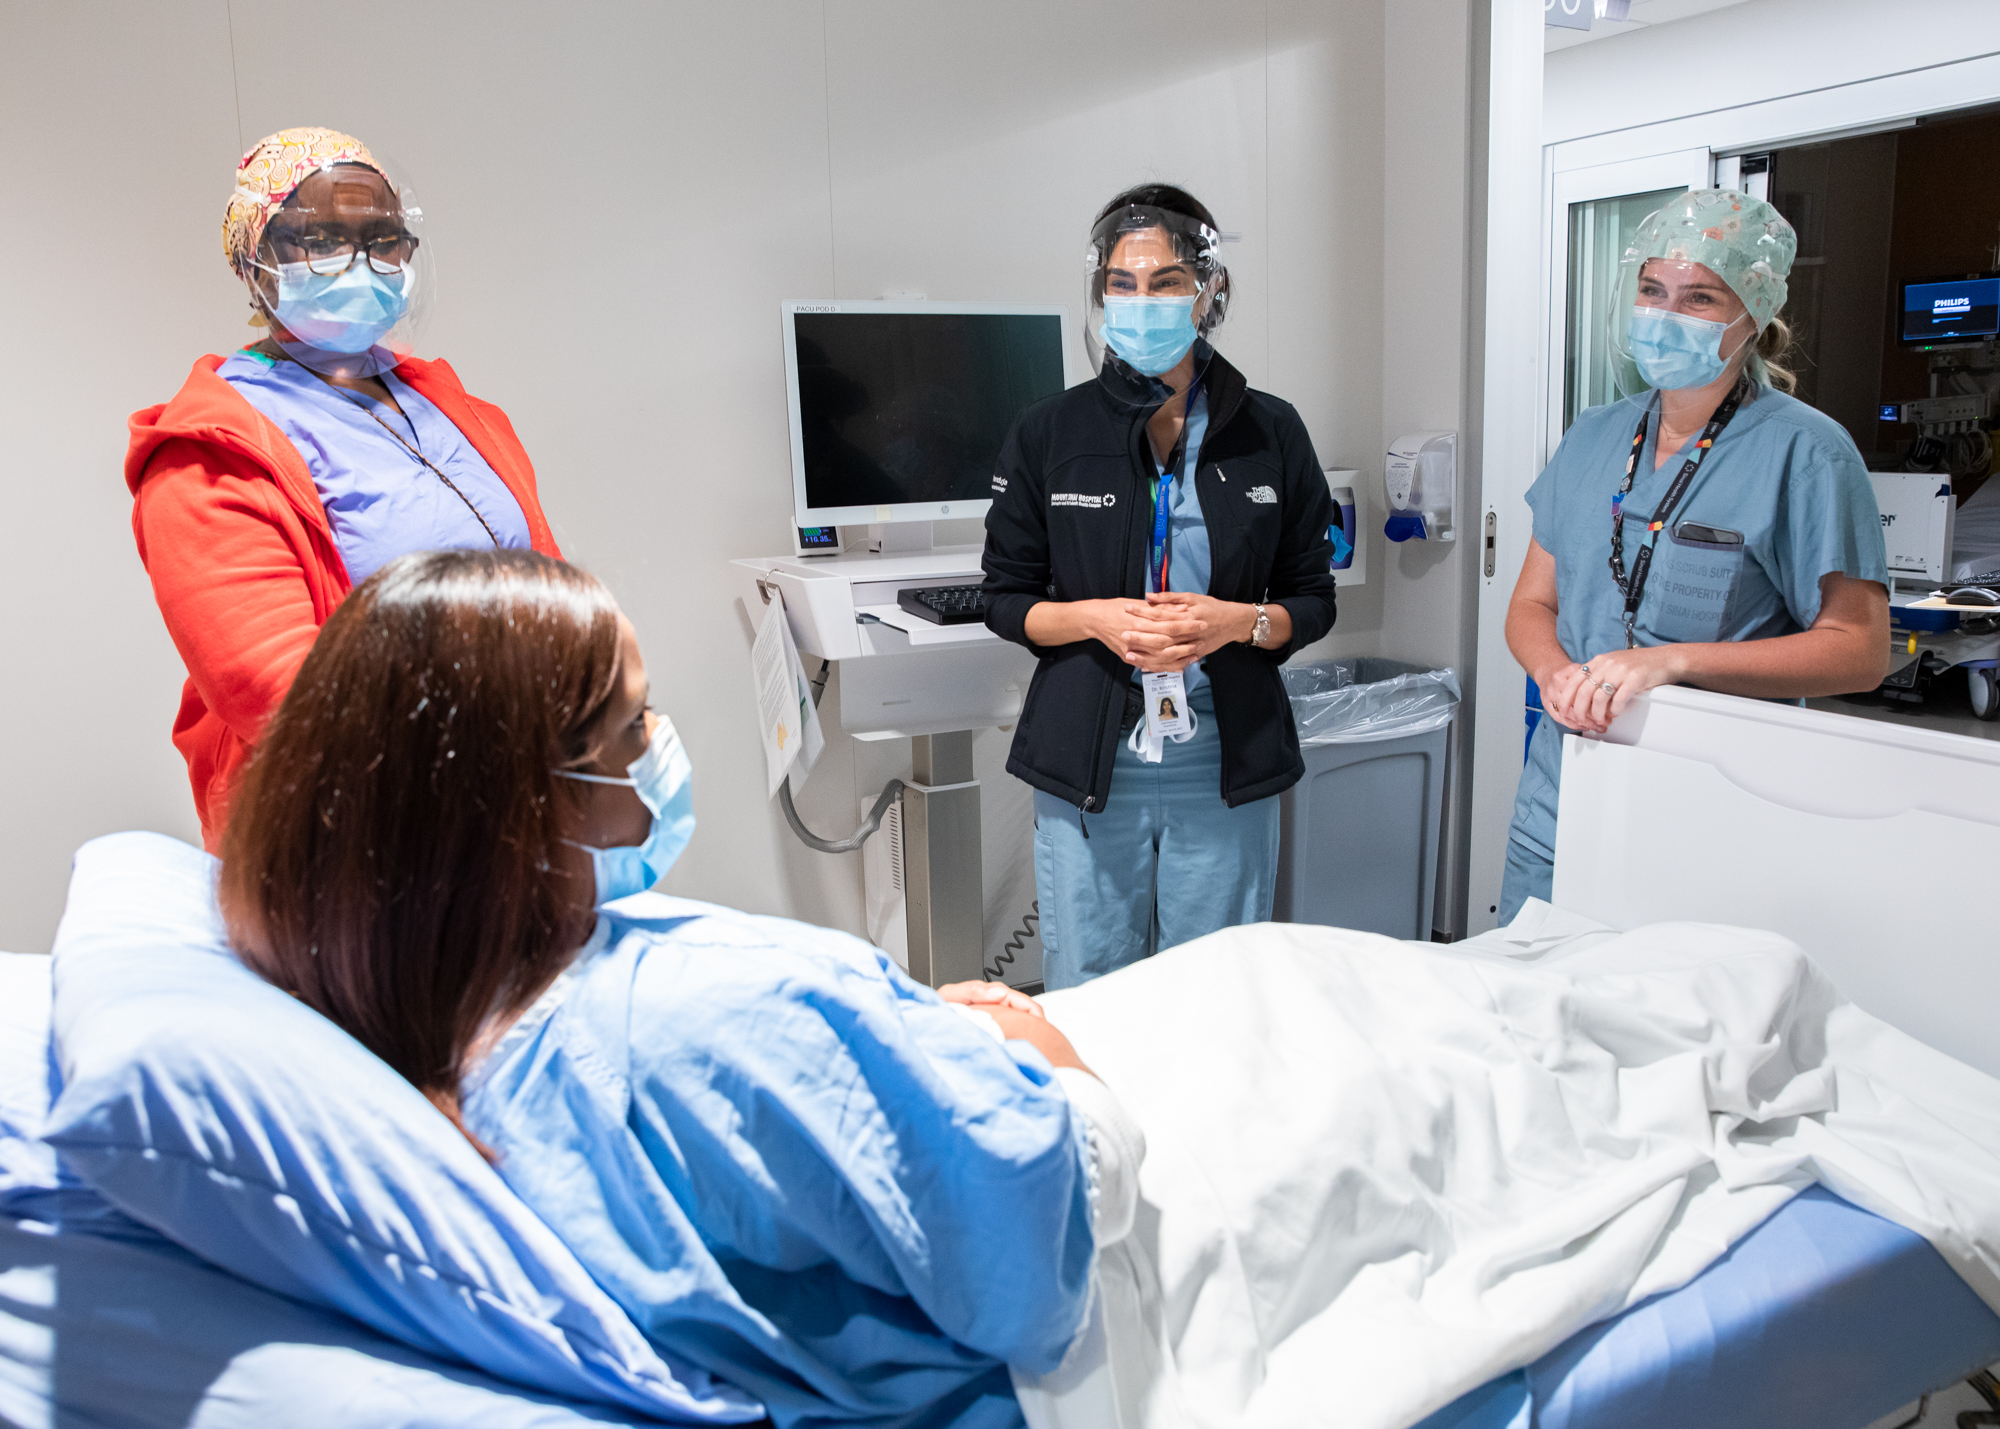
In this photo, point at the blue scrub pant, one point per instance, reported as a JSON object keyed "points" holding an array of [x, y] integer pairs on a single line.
{"points": [[1531, 841], [1528, 875], [1165, 861]]}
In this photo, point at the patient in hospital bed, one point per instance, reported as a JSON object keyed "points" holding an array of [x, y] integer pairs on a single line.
{"points": [[1325, 1177], [848, 1198]]}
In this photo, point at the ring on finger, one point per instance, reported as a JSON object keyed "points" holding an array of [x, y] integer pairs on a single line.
{"points": [[1608, 688]]}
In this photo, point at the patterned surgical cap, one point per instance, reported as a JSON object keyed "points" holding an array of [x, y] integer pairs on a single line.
{"points": [[1743, 240], [270, 173]]}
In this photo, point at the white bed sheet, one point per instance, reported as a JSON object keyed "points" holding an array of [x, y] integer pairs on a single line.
{"points": [[1380, 1174]]}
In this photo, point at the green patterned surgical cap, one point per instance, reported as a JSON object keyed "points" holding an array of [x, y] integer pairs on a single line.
{"points": [[1743, 240]]}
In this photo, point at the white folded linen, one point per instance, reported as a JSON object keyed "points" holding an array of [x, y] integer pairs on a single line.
{"points": [[1378, 1174]]}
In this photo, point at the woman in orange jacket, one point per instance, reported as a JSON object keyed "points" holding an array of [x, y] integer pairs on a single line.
{"points": [[283, 475]]}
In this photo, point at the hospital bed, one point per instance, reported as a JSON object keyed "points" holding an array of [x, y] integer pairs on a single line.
{"points": [[1872, 845], [1849, 836]]}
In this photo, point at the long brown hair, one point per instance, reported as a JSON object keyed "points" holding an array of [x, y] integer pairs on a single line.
{"points": [[394, 856]]}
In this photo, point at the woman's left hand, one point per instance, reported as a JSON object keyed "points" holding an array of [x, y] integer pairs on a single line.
{"points": [[990, 995], [1615, 679], [1219, 622]]}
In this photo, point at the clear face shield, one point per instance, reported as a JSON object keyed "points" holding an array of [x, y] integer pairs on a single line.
{"points": [[1677, 324], [1157, 285], [342, 272]]}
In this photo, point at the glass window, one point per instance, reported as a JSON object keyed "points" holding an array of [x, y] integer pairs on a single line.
{"points": [[1599, 231]]}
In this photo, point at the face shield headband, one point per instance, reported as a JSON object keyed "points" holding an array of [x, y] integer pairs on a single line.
{"points": [[345, 290], [1157, 284]]}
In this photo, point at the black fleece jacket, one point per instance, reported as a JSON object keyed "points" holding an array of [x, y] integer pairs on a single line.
{"points": [[1072, 520]]}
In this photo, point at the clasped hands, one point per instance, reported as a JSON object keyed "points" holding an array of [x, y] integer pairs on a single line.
{"points": [[1588, 697], [1018, 1016], [1169, 630]]}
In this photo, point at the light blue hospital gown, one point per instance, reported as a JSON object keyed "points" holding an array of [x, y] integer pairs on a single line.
{"points": [[1784, 478], [796, 1168]]}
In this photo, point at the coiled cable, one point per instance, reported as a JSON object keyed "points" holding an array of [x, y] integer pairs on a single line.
{"points": [[1017, 943]]}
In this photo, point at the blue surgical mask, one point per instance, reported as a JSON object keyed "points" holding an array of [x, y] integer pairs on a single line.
{"points": [[664, 780], [1674, 350], [1151, 334], [347, 312]]}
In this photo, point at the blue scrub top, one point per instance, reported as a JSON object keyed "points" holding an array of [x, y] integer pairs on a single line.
{"points": [[1190, 563], [1784, 477], [381, 501]]}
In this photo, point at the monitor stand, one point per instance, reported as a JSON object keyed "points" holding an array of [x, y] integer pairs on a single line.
{"points": [[890, 536]]}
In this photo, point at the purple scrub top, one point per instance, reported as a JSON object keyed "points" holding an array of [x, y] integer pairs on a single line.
{"points": [[380, 500]]}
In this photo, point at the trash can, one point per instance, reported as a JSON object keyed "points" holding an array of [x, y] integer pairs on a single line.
{"points": [[1358, 835]]}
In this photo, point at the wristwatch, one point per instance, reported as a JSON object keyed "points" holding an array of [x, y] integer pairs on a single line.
{"points": [[1261, 631]]}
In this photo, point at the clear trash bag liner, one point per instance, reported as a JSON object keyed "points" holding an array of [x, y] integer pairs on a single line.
{"points": [[1353, 701]]}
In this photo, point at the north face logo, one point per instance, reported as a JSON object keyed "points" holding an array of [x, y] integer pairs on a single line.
{"points": [[1263, 496]]}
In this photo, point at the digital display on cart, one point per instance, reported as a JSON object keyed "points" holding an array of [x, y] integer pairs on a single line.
{"points": [[1951, 310], [903, 407]]}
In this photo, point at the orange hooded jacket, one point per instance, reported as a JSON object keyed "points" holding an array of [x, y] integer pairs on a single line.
{"points": [[243, 560]]}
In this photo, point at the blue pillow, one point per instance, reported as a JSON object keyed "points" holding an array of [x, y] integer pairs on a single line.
{"points": [[233, 1119], [27, 1082]]}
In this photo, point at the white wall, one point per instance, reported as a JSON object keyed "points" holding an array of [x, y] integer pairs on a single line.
{"points": [[1762, 50], [619, 195], [112, 124]]}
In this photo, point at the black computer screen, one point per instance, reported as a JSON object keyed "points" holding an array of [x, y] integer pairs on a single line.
{"points": [[1951, 310], [913, 407]]}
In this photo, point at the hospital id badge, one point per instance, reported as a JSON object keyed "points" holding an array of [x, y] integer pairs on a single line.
{"points": [[1166, 707]]}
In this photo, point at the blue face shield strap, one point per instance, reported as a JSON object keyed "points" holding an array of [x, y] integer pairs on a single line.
{"points": [[663, 777]]}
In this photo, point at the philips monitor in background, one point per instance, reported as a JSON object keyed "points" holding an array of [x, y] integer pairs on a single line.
{"points": [[899, 409], [1951, 310]]}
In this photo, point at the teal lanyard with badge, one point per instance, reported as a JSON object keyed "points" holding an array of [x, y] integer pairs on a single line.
{"points": [[1161, 555], [1167, 716]]}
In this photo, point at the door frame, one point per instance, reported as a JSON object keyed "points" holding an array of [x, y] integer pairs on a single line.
{"points": [[1690, 167], [1515, 450]]}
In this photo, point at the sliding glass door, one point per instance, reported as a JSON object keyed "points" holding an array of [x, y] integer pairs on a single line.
{"points": [[1600, 229], [1593, 213]]}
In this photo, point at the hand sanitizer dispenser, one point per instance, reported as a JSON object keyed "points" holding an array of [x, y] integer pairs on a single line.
{"points": [[1421, 480]]}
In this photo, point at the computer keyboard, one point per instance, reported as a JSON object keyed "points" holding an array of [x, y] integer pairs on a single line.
{"points": [[945, 604]]}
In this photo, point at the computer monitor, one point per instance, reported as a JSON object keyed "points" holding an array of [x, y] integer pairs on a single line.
{"points": [[899, 409], [1950, 311]]}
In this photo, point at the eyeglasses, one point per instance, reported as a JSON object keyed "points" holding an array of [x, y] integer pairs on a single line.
{"points": [[328, 256]]}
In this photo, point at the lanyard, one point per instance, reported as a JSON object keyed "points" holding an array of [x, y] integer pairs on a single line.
{"points": [[1642, 564], [425, 461], [1161, 555]]}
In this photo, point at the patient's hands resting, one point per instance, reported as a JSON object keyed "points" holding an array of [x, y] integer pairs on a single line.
{"points": [[988, 996], [1020, 1018]]}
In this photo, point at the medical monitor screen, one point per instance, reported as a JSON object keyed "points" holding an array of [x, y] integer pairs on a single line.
{"points": [[1951, 310], [907, 408]]}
